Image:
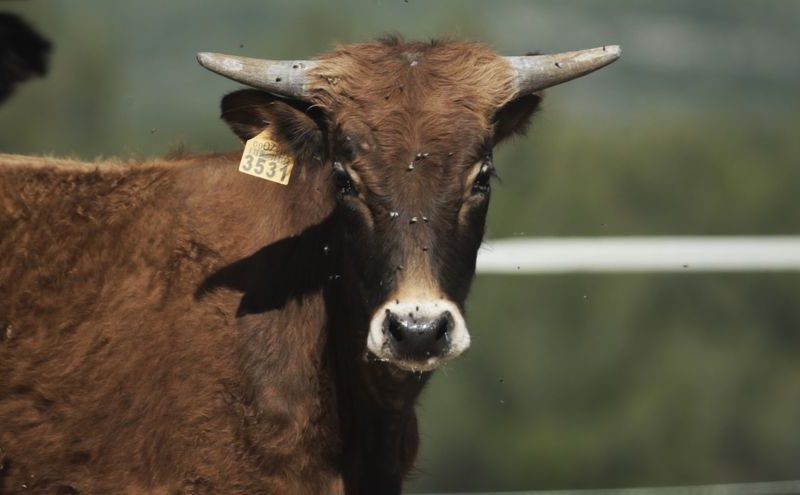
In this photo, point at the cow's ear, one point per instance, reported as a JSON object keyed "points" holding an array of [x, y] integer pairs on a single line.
{"points": [[248, 112], [515, 116]]}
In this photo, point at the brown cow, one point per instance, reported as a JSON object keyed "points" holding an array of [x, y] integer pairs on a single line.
{"points": [[178, 327]]}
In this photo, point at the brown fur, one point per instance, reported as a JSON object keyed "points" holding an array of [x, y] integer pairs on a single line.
{"points": [[177, 327]]}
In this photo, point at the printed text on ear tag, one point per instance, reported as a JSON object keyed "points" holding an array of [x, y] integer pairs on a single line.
{"points": [[262, 159]]}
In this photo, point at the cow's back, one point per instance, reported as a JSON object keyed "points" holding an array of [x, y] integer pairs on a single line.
{"points": [[67, 231]]}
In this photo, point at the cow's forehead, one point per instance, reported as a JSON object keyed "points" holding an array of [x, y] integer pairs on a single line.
{"points": [[431, 99], [433, 80]]}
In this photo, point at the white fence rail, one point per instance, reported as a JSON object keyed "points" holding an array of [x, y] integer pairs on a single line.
{"points": [[639, 254], [647, 254]]}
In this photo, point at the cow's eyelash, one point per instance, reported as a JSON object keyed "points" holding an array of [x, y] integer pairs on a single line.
{"points": [[482, 182], [488, 168]]}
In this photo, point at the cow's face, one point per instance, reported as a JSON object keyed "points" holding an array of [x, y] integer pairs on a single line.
{"points": [[415, 214], [407, 133]]}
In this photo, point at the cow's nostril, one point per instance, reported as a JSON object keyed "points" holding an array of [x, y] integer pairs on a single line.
{"points": [[443, 325], [394, 326]]}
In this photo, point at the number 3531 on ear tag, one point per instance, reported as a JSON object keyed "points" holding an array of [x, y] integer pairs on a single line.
{"points": [[262, 159]]}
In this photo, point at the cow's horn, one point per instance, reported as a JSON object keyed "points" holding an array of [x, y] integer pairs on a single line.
{"points": [[279, 77], [536, 72]]}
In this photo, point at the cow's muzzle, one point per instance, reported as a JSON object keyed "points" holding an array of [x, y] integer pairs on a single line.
{"points": [[418, 335]]}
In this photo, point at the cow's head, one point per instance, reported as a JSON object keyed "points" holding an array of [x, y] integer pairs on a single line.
{"points": [[407, 131]]}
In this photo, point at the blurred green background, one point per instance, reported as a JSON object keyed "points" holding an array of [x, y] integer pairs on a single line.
{"points": [[579, 381]]}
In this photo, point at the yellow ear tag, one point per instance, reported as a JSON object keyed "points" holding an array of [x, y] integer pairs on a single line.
{"points": [[262, 159]]}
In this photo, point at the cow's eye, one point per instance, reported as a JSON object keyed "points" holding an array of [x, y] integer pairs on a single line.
{"points": [[482, 184], [342, 180]]}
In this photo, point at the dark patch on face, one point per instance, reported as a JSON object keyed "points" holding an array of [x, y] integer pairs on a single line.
{"points": [[415, 206]]}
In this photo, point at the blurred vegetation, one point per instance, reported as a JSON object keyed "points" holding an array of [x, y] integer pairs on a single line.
{"points": [[573, 381]]}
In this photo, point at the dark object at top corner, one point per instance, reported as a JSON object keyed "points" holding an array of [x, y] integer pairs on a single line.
{"points": [[23, 53]]}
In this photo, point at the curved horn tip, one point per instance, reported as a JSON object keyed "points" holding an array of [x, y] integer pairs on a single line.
{"points": [[613, 50], [217, 62], [203, 58]]}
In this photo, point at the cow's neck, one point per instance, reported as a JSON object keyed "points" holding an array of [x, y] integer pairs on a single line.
{"points": [[270, 282], [375, 399]]}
